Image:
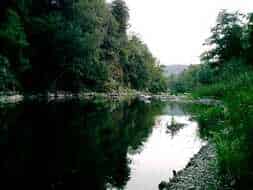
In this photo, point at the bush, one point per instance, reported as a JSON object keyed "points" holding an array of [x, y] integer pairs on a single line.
{"points": [[7, 79], [230, 128]]}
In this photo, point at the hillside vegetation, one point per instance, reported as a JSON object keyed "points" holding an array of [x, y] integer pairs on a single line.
{"points": [[49, 45]]}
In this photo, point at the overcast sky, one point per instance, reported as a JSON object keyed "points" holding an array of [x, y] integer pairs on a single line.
{"points": [[175, 30]]}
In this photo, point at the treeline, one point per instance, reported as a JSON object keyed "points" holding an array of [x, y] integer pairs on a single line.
{"points": [[229, 53], [226, 73], [72, 45]]}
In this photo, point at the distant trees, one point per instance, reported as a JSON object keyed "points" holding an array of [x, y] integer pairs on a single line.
{"points": [[141, 68], [74, 45], [187, 80]]}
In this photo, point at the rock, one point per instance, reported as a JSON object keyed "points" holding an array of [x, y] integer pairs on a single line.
{"points": [[199, 174]]}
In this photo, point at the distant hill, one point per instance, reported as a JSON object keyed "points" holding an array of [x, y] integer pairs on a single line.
{"points": [[173, 69]]}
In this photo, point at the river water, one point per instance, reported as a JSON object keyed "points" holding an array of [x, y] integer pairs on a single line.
{"points": [[94, 145]]}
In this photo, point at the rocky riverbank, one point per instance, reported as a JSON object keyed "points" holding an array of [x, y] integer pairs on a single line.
{"points": [[201, 173], [13, 97], [186, 99]]}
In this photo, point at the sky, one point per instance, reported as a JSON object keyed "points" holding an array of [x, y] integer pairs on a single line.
{"points": [[175, 30]]}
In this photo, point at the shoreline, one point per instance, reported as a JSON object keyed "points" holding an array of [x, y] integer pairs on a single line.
{"points": [[201, 173], [13, 97]]}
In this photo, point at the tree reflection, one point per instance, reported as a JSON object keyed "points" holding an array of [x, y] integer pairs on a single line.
{"points": [[73, 145]]}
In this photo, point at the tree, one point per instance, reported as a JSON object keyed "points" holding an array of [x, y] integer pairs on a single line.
{"points": [[121, 13], [74, 45], [141, 70], [249, 39], [226, 39], [14, 44], [7, 79]]}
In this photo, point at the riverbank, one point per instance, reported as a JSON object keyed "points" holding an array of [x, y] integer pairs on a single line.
{"points": [[13, 97], [201, 173]]}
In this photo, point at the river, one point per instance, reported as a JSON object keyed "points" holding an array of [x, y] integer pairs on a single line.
{"points": [[94, 145]]}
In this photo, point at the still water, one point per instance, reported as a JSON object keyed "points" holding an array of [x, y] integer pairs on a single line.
{"points": [[94, 145]]}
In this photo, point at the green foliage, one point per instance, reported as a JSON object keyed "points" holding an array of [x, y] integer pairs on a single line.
{"points": [[235, 76], [12, 31], [140, 67], [7, 79], [248, 39], [136, 65], [227, 74], [226, 38], [158, 83], [121, 14], [13, 41], [230, 128], [209, 120], [73, 46], [193, 77]]}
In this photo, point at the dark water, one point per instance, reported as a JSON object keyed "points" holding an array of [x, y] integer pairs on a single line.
{"points": [[89, 145]]}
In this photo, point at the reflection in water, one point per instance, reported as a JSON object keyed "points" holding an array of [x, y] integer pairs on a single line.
{"points": [[75, 145], [164, 152]]}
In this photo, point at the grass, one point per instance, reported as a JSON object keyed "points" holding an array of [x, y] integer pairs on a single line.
{"points": [[230, 127]]}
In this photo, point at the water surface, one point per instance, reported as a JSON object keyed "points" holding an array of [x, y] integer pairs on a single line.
{"points": [[94, 145]]}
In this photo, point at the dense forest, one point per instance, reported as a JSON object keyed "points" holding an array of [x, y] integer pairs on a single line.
{"points": [[73, 45], [226, 73]]}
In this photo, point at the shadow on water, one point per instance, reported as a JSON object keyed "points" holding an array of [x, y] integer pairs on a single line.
{"points": [[72, 145]]}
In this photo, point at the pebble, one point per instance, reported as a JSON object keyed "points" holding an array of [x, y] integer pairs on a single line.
{"points": [[199, 174]]}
